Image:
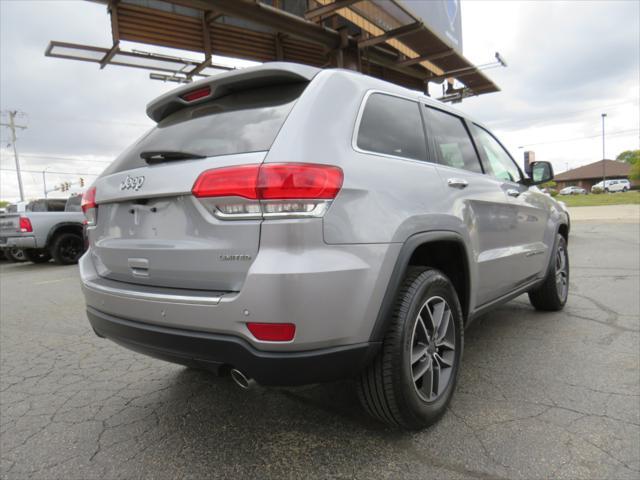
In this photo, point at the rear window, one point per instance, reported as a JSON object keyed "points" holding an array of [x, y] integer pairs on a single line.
{"points": [[73, 204], [52, 205], [241, 122]]}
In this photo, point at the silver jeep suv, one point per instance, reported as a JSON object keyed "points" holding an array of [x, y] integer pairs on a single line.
{"points": [[290, 225]]}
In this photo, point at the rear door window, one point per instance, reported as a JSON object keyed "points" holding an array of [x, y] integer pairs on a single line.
{"points": [[392, 126], [453, 144], [240, 122]]}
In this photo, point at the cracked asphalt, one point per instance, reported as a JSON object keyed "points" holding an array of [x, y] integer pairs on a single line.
{"points": [[539, 396]]}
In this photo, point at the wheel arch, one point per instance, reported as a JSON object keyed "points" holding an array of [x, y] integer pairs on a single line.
{"points": [[63, 227], [563, 229], [444, 250]]}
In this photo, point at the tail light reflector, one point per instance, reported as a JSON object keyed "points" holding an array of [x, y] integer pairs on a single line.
{"points": [[89, 206], [25, 225], [299, 181], [238, 181], [269, 190], [272, 332]]}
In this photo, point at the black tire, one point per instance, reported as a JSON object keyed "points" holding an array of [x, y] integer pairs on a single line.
{"points": [[552, 295], [625, 189], [37, 256], [387, 388], [15, 255], [606, 190], [67, 248]]}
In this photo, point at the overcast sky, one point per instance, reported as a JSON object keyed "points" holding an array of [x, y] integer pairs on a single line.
{"points": [[568, 63]]}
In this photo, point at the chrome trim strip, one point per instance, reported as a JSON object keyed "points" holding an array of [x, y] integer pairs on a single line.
{"points": [[150, 296]]}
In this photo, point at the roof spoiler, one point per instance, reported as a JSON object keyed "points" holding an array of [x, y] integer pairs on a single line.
{"points": [[224, 83]]}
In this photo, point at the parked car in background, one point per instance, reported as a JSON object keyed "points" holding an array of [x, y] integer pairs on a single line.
{"points": [[48, 228], [238, 236], [615, 185], [573, 191]]}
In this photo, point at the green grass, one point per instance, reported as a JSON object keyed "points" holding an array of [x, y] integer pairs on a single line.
{"points": [[591, 200]]}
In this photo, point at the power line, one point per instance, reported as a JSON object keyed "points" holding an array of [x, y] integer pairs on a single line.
{"points": [[56, 157], [613, 134], [571, 114], [91, 120], [51, 171]]}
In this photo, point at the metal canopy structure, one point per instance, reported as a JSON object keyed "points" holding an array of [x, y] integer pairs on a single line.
{"points": [[382, 38]]}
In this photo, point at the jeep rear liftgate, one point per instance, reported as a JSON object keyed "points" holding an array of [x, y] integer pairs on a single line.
{"points": [[156, 223]]}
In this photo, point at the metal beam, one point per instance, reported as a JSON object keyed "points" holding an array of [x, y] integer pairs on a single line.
{"points": [[113, 12], [395, 33], [109, 55], [426, 58], [460, 72], [329, 8], [278, 20], [374, 56]]}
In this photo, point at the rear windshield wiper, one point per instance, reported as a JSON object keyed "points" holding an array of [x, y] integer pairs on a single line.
{"points": [[168, 156]]}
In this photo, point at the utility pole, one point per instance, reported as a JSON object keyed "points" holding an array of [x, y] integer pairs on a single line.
{"points": [[604, 176], [12, 126], [44, 182]]}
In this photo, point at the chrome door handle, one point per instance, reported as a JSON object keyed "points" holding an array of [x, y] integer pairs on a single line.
{"points": [[512, 192], [457, 183]]}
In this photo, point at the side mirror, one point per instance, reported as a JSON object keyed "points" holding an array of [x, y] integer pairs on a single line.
{"points": [[541, 172]]}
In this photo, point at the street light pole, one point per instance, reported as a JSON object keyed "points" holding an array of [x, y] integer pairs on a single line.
{"points": [[604, 176]]}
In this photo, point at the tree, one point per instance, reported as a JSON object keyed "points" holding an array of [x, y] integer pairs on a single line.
{"points": [[3, 203], [634, 174], [629, 156]]}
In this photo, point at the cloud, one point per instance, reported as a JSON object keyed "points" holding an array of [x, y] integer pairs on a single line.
{"points": [[568, 62]]}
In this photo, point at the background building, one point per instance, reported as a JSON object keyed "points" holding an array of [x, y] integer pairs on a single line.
{"points": [[588, 175]]}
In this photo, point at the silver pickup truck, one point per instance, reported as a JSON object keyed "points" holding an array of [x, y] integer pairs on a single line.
{"points": [[41, 234]]}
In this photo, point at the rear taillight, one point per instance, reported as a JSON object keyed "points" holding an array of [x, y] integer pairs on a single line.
{"points": [[89, 206], [276, 190], [273, 332], [25, 225]]}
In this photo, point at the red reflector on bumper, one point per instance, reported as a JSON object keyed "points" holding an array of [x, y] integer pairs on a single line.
{"points": [[273, 332]]}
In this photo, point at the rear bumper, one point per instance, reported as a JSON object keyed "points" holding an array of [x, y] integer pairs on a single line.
{"points": [[332, 293], [214, 351], [17, 242]]}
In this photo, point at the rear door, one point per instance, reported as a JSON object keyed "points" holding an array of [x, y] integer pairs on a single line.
{"points": [[529, 211], [505, 231], [477, 200], [151, 230]]}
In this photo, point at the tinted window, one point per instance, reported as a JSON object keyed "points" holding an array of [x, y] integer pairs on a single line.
{"points": [[241, 122], [52, 205], [392, 126], [73, 204], [453, 144], [498, 162]]}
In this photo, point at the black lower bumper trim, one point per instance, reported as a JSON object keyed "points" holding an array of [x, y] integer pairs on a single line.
{"points": [[214, 350]]}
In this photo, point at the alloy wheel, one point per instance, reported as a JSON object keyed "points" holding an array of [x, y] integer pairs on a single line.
{"points": [[562, 272], [71, 249], [433, 349]]}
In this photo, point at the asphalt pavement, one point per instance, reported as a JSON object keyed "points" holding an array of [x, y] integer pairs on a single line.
{"points": [[540, 395]]}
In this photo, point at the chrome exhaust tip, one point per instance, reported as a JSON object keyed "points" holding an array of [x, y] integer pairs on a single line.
{"points": [[240, 379]]}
